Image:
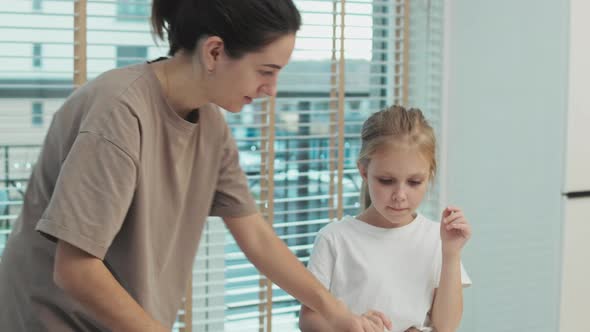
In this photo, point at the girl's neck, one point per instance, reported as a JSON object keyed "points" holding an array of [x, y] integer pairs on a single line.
{"points": [[372, 217]]}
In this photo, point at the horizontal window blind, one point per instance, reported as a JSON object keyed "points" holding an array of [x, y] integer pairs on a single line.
{"points": [[36, 66], [298, 149]]}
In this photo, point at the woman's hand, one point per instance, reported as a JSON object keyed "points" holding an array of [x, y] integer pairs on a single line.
{"points": [[378, 320], [455, 230]]}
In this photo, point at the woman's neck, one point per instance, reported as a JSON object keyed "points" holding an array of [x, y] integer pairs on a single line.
{"points": [[182, 83]]}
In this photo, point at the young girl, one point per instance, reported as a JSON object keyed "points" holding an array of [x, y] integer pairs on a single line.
{"points": [[391, 258]]}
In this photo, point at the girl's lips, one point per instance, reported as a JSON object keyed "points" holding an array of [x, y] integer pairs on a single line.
{"points": [[248, 100], [398, 210]]}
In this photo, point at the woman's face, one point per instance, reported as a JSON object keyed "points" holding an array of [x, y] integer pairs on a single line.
{"points": [[235, 83]]}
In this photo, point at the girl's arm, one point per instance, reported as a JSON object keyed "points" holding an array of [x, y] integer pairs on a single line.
{"points": [[273, 258], [447, 307]]}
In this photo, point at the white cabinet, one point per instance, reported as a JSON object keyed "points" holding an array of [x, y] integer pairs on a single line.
{"points": [[575, 275], [577, 177]]}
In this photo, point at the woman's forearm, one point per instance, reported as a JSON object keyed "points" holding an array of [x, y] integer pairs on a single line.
{"points": [[311, 321], [448, 302], [273, 258]]}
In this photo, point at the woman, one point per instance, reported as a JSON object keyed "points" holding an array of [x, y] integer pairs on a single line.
{"points": [[132, 165]]}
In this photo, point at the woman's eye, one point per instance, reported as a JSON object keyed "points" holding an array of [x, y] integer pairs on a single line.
{"points": [[266, 73]]}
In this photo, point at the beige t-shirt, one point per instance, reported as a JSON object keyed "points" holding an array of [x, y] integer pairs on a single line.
{"points": [[124, 178]]}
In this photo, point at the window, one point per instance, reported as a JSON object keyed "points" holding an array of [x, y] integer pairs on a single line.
{"points": [[293, 160], [128, 55], [37, 55], [37, 115], [133, 10]]}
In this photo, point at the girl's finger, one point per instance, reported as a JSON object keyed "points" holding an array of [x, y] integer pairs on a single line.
{"points": [[453, 216], [464, 228], [451, 209]]}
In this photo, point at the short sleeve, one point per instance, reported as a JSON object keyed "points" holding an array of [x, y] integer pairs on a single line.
{"points": [[465, 279], [232, 193], [321, 261], [92, 195]]}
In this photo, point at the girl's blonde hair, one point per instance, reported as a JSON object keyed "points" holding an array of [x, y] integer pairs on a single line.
{"points": [[396, 125]]}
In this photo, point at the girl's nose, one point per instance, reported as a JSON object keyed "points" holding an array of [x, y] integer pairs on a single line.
{"points": [[399, 193]]}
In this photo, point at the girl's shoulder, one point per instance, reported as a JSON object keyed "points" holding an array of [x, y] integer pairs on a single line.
{"points": [[338, 228], [426, 222], [428, 229]]}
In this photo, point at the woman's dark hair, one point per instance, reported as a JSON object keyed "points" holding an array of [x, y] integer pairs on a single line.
{"points": [[243, 25]]}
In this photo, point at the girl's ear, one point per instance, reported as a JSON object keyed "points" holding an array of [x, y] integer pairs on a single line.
{"points": [[362, 170]]}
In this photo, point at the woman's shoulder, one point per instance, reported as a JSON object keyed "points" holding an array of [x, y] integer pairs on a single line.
{"points": [[123, 77], [115, 89], [109, 105]]}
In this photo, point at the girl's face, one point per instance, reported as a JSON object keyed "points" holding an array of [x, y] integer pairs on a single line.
{"points": [[236, 83], [397, 176]]}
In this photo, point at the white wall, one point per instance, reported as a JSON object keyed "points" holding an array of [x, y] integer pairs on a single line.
{"points": [[507, 101]]}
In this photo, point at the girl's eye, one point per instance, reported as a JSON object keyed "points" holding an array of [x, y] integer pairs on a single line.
{"points": [[415, 183], [385, 181], [266, 73]]}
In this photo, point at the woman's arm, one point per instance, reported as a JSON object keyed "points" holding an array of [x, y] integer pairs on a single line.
{"points": [[86, 279], [273, 258], [312, 321]]}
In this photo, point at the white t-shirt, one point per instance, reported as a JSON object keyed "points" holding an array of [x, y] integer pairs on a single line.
{"points": [[391, 270]]}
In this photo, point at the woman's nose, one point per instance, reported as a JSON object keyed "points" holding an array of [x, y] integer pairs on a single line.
{"points": [[268, 90]]}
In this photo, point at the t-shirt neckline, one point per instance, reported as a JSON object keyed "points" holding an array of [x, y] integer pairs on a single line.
{"points": [[170, 114], [385, 232]]}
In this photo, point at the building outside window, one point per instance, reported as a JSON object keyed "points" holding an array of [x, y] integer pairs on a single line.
{"points": [[37, 54], [37, 114], [37, 5], [128, 55], [132, 10]]}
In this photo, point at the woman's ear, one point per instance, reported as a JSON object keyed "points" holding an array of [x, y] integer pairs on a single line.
{"points": [[212, 48]]}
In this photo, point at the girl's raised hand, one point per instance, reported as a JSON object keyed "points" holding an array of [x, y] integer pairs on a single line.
{"points": [[455, 230]]}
